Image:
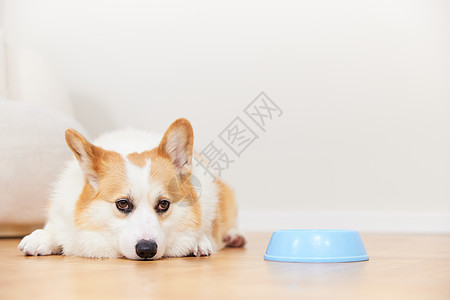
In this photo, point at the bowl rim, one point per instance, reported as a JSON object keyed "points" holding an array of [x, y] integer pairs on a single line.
{"points": [[317, 230]]}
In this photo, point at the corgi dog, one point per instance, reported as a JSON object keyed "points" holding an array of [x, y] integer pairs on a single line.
{"points": [[132, 194]]}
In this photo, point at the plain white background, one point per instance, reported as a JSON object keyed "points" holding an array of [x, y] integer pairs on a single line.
{"points": [[364, 140]]}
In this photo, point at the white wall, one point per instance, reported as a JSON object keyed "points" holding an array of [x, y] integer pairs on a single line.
{"points": [[364, 86]]}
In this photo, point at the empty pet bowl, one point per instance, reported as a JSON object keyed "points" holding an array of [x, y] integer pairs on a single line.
{"points": [[314, 245]]}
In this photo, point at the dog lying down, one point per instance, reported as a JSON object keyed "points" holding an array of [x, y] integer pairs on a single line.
{"points": [[132, 194]]}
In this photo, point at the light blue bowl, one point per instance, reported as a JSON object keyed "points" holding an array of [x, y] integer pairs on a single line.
{"points": [[316, 245]]}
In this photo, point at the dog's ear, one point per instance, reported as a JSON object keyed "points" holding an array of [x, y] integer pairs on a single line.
{"points": [[86, 154], [178, 143]]}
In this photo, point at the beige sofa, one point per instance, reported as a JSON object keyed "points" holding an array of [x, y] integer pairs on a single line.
{"points": [[32, 145]]}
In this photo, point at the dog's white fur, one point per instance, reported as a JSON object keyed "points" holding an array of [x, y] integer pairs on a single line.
{"points": [[117, 237]]}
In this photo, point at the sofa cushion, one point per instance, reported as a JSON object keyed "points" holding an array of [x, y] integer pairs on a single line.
{"points": [[32, 154]]}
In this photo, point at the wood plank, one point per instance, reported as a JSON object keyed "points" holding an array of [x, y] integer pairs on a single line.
{"points": [[400, 267]]}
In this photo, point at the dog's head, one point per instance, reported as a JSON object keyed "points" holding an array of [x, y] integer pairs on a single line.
{"points": [[138, 200]]}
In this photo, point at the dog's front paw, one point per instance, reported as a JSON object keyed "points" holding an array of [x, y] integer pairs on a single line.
{"points": [[39, 242], [204, 247]]}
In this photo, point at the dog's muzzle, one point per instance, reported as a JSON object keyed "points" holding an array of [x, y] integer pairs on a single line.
{"points": [[146, 248]]}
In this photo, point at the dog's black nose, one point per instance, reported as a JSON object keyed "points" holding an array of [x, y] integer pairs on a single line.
{"points": [[146, 249]]}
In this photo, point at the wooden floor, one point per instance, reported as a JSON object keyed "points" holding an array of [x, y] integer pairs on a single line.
{"points": [[400, 267]]}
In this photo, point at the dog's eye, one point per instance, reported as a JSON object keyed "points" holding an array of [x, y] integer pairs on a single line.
{"points": [[124, 205], [163, 206]]}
